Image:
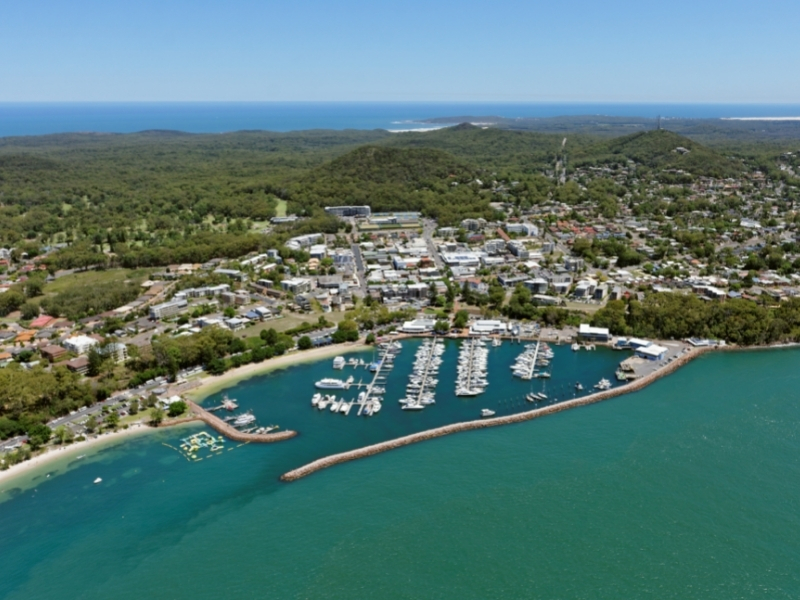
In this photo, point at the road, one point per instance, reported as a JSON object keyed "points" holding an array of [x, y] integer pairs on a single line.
{"points": [[362, 276], [428, 229]]}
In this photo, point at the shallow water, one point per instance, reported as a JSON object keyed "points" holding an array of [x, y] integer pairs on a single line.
{"points": [[686, 489]]}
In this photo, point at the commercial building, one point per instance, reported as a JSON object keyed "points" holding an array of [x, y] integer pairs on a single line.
{"points": [[349, 211], [296, 285], [652, 352], [487, 327], [418, 326]]}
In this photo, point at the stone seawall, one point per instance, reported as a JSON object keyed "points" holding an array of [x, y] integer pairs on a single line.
{"points": [[636, 385], [220, 426]]}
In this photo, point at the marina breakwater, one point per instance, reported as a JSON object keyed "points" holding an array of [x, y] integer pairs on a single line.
{"points": [[633, 386], [220, 426]]}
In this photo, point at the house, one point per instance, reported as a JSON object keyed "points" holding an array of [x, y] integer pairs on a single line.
{"points": [[599, 334], [52, 353], [303, 301], [236, 324], [537, 285], [41, 321], [80, 344]]}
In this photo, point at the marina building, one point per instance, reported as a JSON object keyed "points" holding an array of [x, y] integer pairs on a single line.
{"points": [[599, 334], [488, 327], [418, 326], [652, 352]]}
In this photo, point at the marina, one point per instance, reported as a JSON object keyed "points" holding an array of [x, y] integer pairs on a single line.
{"points": [[472, 364], [422, 381]]}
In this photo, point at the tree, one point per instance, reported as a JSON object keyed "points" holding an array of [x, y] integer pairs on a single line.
{"points": [[229, 312], [177, 408], [95, 362], [217, 366], [112, 420], [39, 435], [29, 311], [156, 416], [442, 326], [304, 343], [63, 434], [370, 338], [91, 424], [270, 336], [461, 319]]}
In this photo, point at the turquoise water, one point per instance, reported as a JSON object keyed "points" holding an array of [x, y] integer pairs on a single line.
{"points": [[38, 118], [687, 489]]}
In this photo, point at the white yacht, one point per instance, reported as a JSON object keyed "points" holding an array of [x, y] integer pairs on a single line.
{"points": [[315, 399], [339, 362], [244, 419], [410, 406], [497, 342], [485, 412], [603, 384], [330, 384]]}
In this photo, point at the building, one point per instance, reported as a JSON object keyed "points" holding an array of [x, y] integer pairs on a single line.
{"points": [[572, 263], [80, 344], [165, 310], [117, 351], [52, 353], [600, 292], [522, 228], [296, 285], [543, 300], [349, 211], [232, 273], [598, 334], [418, 326], [303, 241], [78, 365], [487, 327], [518, 249], [652, 352], [537, 285]]}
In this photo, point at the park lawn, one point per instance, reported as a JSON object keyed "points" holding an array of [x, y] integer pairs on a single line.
{"points": [[91, 278], [280, 208]]}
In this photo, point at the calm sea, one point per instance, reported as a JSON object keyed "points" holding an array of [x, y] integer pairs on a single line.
{"points": [[687, 489], [201, 117]]}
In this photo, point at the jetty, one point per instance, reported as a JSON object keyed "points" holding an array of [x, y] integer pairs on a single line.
{"points": [[220, 426]]}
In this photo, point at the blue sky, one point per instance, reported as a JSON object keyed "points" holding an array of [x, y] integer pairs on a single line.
{"points": [[248, 50]]}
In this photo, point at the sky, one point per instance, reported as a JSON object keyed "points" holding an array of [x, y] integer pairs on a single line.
{"points": [[434, 50]]}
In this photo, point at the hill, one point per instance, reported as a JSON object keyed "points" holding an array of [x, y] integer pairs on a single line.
{"points": [[502, 149], [659, 150], [428, 180]]}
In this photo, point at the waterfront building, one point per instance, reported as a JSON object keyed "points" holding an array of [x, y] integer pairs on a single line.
{"points": [[418, 326], [652, 352], [599, 334], [488, 327]]}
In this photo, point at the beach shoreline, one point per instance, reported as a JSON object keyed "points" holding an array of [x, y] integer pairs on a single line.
{"points": [[52, 454]]}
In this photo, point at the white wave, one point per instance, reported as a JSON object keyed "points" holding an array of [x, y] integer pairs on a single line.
{"points": [[760, 119]]}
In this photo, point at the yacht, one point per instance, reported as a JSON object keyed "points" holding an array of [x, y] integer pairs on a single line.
{"points": [[98, 480], [339, 362], [497, 342], [576, 346], [603, 384], [330, 384], [532, 397], [579, 386], [335, 406], [244, 419], [410, 406], [485, 412], [315, 399], [543, 375]]}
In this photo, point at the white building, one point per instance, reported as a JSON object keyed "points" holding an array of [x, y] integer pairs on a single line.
{"points": [[418, 326], [652, 352], [168, 309], [80, 344], [487, 327]]}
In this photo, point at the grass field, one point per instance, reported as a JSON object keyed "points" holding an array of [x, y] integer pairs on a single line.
{"points": [[290, 321], [280, 209], [90, 278]]}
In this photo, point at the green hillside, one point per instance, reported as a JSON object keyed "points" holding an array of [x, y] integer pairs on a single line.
{"points": [[395, 179], [659, 150]]}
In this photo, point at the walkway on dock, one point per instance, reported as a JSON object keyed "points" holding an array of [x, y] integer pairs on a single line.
{"points": [[423, 384], [230, 432]]}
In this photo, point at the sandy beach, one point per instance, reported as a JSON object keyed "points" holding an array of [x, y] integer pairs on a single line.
{"points": [[76, 448], [209, 385], [215, 383]]}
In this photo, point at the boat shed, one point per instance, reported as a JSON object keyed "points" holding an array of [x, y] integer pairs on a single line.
{"points": [[638, 343], [587, 332], [652, 352]]}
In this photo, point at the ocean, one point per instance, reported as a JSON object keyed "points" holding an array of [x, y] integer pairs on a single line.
{"points": [[686, 489], [18, 119]]}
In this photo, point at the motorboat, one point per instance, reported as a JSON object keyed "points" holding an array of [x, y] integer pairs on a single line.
{"points": [[339, 362], [579, 386], [243, 420], [603, 384], [329, 383], [98, 480], [315, 399], [413, 407], [532, 397], [485, 412], [497, 342]]}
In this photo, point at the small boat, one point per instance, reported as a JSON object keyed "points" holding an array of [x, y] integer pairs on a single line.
{"points": [[411, 406], [98, 480], [485, 412], [497, 342], [339, 362], [579, 386], [576, 347], [532, 397]]}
